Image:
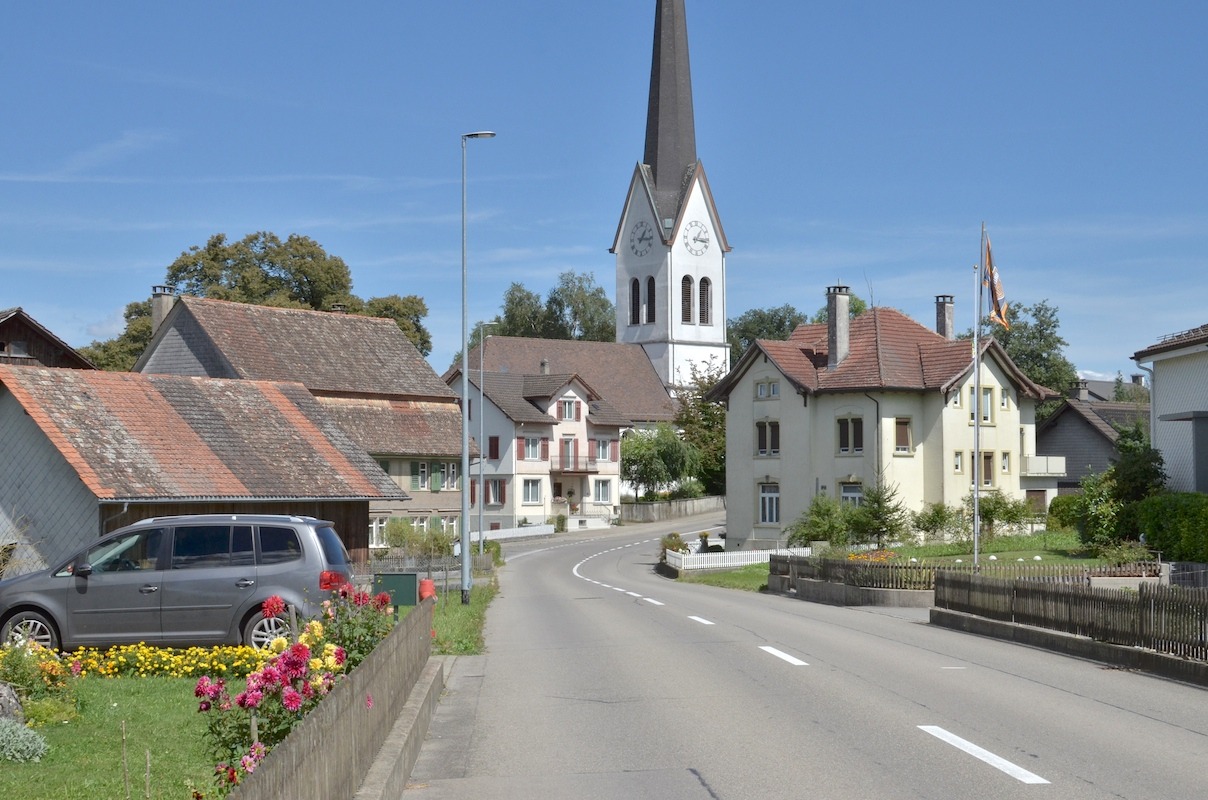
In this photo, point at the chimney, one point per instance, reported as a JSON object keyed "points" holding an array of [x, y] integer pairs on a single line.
{"points": [[838, 324], [338, 308], [1081, 391], [162, 300], [545, 366], [1137, 379], [943, 316]]}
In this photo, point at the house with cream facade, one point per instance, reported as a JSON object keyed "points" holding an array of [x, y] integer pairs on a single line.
{"points": [[551, 446], [874, 399], [1178, 407]]}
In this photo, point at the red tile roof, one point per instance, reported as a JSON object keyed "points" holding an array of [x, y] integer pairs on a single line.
{"points": [[138, 437], [887, 350], [1174, 341]]}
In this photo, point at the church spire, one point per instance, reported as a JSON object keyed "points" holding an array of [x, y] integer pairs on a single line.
{"points": [[670, 128]]}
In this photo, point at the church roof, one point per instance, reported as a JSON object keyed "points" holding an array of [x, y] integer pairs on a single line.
{"points": [[670, 124]]}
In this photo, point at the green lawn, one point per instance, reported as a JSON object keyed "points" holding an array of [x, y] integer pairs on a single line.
{"points": [[89, 759]]}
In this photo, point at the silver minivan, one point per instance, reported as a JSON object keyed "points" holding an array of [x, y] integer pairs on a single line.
{"points": [[178, 582]]}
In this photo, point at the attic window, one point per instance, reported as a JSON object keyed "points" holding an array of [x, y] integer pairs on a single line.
{"points": [[16, 349]]}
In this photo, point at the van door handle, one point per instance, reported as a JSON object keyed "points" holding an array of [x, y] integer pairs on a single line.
{"points": [[244, 583], [148, 589]]}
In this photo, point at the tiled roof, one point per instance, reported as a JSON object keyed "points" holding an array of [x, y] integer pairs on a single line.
{"points": [[621, 373], [70, 354], [887, 350], [398, 427], [327, 352], [131, 436], [515, 396], [1102, 416], [1174, 341]]}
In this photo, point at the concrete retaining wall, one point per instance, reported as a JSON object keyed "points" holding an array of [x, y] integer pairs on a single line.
{"points": [[330, 752], [670, 509], [840, 594]]}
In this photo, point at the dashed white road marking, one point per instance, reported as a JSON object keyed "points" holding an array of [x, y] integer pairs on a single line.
{"points": [[1014, 770], [701, 620], [796, 662], [652, 601]]}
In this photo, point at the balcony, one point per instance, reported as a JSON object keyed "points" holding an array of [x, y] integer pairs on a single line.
{"points": [[570, 464], [1043, 467]]}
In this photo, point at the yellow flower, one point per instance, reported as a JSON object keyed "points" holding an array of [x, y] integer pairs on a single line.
{"points": [[279, 644]]}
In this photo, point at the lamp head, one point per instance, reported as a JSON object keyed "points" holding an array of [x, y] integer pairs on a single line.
{"points": [[479, 135]]}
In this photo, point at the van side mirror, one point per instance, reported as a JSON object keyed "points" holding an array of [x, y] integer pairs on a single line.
{"points": [[83, 570]]}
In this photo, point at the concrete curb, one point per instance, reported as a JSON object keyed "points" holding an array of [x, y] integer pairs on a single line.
{"points": [[392, 765], [1165, 666]]}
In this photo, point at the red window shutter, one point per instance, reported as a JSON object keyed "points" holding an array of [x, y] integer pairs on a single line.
{"points": [[493, 448], [544, 449], [578, 410], [616, 450], [519, 448], [503, 492], [473, 492], [575, 452]]}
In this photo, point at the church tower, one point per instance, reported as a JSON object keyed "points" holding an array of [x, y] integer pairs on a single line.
{"points": [[670, 246]]}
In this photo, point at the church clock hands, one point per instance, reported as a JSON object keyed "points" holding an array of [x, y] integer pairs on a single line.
{"points": [[641, 239], [696, 238]]}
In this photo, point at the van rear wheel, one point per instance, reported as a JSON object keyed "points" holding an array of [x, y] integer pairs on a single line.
{"points": [[260, 630]]}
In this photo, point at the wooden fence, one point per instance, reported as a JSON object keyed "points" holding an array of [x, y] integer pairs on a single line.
{"points": [[1164, 619], [895, 575]]}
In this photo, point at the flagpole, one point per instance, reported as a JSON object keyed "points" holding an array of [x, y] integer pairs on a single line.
{"points": [[977, 394]]}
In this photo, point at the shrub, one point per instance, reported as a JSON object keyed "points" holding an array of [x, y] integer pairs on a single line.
{"points": [[495, 549], [825, 520], [560, 523], [34, 671], [1097, 509], [1125, 553], [1176, 525], [1063, 512], [674, 542], [938, 521], [19, 743], [999, 513], [687, 490]]}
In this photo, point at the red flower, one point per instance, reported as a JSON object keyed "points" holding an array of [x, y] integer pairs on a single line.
{"points": [[273, 607], [381, 601], [360, 599], [291, 699]]}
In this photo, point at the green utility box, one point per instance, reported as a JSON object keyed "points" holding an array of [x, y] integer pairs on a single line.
{"points": [[403, 588]]}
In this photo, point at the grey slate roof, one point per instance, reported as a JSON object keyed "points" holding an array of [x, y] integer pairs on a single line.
{"points": [[1102, 417]]}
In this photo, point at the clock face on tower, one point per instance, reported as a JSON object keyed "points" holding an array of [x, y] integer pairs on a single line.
{"points": [[641, 238], [696, 237]]}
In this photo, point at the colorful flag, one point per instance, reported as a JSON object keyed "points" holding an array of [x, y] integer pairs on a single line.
{"points": [[998, 300]]}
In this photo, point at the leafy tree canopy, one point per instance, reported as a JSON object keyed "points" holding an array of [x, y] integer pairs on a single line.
{"points": [[704, 424], [577, 308], [854, 309], [761, 323], [1036, 347], [263, 270], [653, 460]]}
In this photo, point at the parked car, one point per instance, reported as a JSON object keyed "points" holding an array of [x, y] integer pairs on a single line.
{"points": [[179, 581]]}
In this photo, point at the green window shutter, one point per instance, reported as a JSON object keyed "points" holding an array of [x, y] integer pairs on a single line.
{"points": [[415, 475]]}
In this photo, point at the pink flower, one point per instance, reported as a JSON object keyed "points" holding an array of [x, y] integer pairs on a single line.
{"points": [[360, 599], [291, 699], [203, 706], [76, 668], [368, 701], [381, 601], [340, 656], [273, 607]]}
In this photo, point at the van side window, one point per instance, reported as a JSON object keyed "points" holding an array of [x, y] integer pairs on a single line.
{"points": [[198, 546], [243, 551], [278, 545], [131, 552]]}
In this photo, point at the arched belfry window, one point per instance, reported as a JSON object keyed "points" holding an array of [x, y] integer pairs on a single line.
{"points": [[635, 302], [686, 300], [650, 305], [706, 301]]}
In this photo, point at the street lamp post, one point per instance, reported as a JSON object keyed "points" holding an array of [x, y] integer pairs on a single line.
{"points": [[466, 556], [482, 413]]}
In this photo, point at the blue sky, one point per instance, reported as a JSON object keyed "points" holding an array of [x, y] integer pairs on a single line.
{"points": [[861, 143]]}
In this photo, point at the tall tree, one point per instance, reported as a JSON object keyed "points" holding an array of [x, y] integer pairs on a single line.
{"points": [[703, 424], [1036, 347], [119, 353], [263, 270], [761, 323], [523, 313], [653, 460], [577, 308]]}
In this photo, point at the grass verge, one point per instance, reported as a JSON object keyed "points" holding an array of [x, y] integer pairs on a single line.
{"points": [[751, 578], [458, 628], [88, 757]]}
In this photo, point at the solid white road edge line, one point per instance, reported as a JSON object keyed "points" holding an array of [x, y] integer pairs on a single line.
{"points": [[796, 662], [1014, 770]]}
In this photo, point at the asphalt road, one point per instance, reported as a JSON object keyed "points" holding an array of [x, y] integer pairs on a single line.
{"points": [[604, 680]]}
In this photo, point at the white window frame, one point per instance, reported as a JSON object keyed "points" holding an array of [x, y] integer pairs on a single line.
{"points": [[602, 491], [603, 449], [899, 449], [851, 494], [448, 475], [958, 462], [851, 449], [532, 448], [492, 489], [377, 532], [566, 409], [1004, 461], [769, 504], [532, 491]]}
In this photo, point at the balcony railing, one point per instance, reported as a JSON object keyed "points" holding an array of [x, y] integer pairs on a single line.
{"points": [[1042, 466], [572, 464]]}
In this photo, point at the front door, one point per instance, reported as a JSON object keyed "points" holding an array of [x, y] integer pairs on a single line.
{"points": [[118, 600]]}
